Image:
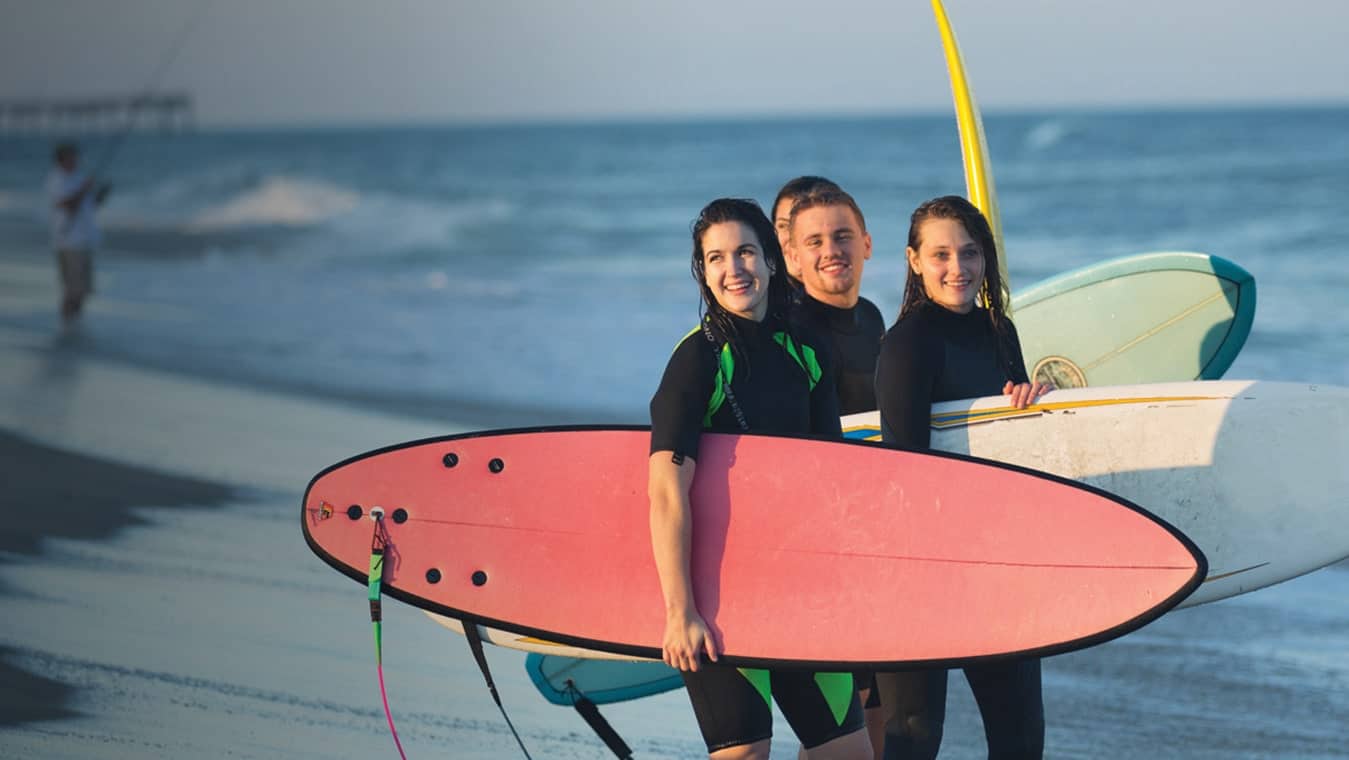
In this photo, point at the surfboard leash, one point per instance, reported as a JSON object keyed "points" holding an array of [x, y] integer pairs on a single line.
{"points": [[475, 644], [591, 715], [378, 543]]}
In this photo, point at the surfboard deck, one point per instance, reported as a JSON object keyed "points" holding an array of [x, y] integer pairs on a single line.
{"points": [[545, 533], [1252, 471], [1146, 318]]}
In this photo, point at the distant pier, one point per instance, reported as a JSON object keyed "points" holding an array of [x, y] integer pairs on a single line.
{"points": [[167, 112]]}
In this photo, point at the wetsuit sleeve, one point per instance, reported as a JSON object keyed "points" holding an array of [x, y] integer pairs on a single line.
{"points": [[824, 408], [906, 375], [1018, 361], [680, 403]]}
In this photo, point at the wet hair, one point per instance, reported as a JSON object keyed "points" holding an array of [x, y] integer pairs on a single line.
{"points": [[993, 292], [798, 188], [829, 197], [63, 149], [747, 212]]}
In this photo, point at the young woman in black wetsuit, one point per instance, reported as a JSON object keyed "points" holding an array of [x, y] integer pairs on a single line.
{"points": [[743, 368], [946, 346]]}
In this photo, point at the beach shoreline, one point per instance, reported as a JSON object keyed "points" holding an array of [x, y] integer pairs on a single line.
{"points": [[28, 320]]}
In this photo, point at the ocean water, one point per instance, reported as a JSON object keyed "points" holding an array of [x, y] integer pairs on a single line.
{"points": [[544, 269]]}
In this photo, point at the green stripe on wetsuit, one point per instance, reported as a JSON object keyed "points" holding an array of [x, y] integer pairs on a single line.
{"points": [[804, 356], [836, 688]]}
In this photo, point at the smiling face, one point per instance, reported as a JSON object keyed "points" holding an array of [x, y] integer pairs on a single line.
{"points": [[830, 248], [735, 269], [950, 263]]}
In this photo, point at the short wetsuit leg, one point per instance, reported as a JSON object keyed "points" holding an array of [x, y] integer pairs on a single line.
{"points": [[1012, 706], [728, 707], [820, 707], [733, 706], [866, 681], [915, 711]]}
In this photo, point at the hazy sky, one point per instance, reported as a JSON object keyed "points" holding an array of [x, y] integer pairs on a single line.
{"points": [[268, 61]]}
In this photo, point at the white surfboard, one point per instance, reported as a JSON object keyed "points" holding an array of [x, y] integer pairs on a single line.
{"points": [[524, 643], [1255, 473]]}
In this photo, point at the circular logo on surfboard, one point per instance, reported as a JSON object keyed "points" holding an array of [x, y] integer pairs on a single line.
{"points": [[1059, 372]]}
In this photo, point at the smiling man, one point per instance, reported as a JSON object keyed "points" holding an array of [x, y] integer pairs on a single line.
{"points": [[829, 246]]}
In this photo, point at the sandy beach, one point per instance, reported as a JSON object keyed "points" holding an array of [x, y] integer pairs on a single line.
{"points": [[160, 600]]}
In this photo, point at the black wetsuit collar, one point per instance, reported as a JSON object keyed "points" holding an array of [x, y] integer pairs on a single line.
{"points": [[975, 319], [837, 319], [749, 330]]}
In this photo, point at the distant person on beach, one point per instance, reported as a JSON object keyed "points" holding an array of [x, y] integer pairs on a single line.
{"points": [[953, 340], [827, 244], [74, 198], [744, 368]]}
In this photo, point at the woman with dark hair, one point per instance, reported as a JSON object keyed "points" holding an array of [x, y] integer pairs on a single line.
{"points": [[953, 340], [744, 368]]}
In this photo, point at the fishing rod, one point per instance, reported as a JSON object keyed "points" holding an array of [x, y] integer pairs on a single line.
{"points": [[165, 62]]}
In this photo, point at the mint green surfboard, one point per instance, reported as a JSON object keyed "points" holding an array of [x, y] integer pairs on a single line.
{"points": [[1146, 318]]}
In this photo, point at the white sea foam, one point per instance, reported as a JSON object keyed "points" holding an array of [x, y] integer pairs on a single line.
{"points": [[386, 223], [1046, 134], [279, 200]]}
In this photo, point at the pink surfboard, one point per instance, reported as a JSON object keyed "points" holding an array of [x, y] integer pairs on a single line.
{"points": [[806, 552]]}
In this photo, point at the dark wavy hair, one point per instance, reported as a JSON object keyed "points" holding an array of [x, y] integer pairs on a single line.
{"points": [[993, 292], [747, 212]]}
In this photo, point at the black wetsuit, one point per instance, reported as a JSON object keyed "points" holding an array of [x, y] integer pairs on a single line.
{"points": [[774, 393], [854, 340], [934, 355]]}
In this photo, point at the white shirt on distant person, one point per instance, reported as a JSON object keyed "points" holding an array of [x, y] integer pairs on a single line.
{"points": [[75, 230]]}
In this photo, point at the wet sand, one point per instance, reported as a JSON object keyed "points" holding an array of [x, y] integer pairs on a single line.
{"points": [[51, 494]]}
